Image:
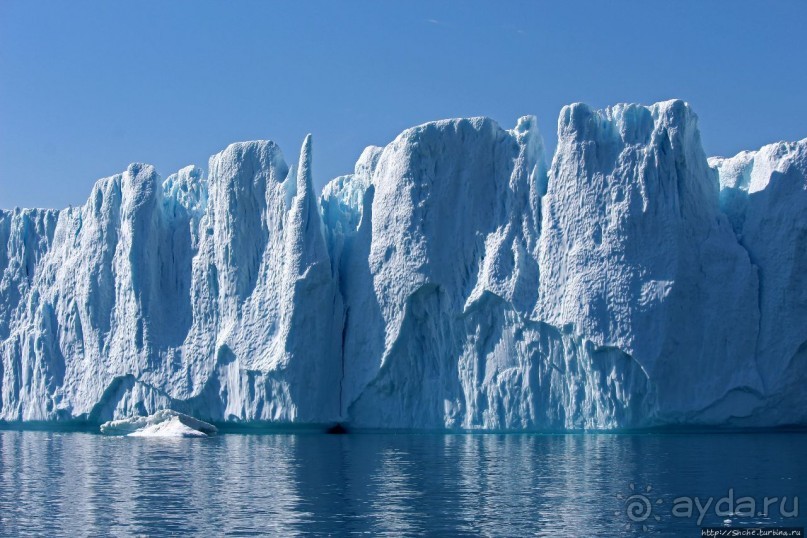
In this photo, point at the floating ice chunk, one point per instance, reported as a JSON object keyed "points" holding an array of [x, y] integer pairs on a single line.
{"points": [[170, 428], [165, 423]]}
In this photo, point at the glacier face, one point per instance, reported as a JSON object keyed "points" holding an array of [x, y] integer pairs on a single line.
{"points": [[637, 255], [181, 294], [764, 195], [455, 280]]}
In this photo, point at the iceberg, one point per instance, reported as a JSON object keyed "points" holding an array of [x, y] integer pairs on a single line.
{"points": [[457, 280], [164, 423]]}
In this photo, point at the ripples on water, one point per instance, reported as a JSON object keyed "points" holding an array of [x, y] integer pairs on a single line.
{"points": [[75, 484]]}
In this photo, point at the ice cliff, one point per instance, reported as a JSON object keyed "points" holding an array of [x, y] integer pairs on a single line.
{"points": [[455, 280]]}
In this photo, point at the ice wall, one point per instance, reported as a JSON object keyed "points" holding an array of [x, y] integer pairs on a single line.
{"points": [[454, 280], [764, 194], [208, 296], [637, 255]]}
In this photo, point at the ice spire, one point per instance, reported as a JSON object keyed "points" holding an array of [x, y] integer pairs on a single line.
{"points": [[312, 309], [304, 181], [307, 242]]}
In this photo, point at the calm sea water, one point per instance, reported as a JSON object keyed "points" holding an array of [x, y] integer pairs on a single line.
{"points": [[75, 484]]}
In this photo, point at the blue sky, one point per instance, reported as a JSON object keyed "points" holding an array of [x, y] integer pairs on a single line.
{"points": [[87, 87]]}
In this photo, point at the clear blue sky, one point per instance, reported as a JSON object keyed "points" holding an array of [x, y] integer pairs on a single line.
{"points": [[87, 87]]}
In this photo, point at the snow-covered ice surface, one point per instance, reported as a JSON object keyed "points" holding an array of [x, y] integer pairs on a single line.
{"points": [[163, 423], [455, 280]]}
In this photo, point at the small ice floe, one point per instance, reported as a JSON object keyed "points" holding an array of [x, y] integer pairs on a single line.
{"points": [[165, 423]]}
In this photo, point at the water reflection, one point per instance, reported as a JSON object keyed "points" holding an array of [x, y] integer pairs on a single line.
{"points": [[54, 483]]}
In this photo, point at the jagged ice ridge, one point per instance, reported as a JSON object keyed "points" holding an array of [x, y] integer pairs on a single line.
{"points": [[455, 280]]}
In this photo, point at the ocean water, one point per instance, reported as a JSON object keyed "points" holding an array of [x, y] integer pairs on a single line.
{"points": [[83, 484]]}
